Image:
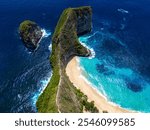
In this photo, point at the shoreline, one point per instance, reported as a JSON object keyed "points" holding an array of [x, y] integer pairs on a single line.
{"points": [[100, 101]]}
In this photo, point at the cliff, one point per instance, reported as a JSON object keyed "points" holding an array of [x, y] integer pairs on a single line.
{"points": [[61, 95]]}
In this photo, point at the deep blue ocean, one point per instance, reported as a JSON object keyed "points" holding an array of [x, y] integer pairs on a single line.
{"points": [[120, 40]]}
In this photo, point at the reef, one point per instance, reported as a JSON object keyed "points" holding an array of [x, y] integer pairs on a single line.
{"points": [[30, 34], [60, 94]]}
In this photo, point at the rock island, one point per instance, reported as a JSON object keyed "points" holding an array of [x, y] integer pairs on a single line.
{"points": [[30, 34]]}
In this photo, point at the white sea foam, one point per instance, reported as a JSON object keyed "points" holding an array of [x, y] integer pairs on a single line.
{"points": [[123, 11], [45, 82], [91, 49], [19, 96], [78, 60], [45, 33], [50, 47], [28, 51], [42, 85]]}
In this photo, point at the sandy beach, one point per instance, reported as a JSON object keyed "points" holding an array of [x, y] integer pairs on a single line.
{"points": [[74, 74]]}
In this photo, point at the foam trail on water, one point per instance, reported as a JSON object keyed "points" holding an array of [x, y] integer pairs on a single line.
{"points": [[81, 39], [87, 37], [50, 47], [91, 49], [123, 11], [45, 33], [42, 85]]}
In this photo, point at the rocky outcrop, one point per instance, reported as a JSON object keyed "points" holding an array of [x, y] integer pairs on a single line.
{"points": [[84, 20], [61, 95], [30, 34], [78, 22]]}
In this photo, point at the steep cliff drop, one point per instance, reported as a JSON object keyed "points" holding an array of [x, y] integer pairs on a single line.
{"points": [[61, 95]]}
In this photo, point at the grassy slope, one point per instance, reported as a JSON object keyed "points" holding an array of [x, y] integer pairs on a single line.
{"points": [[70, 99], [47, 100]]}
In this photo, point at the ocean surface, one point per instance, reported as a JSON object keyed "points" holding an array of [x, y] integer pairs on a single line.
{"points": [[120, 42]]}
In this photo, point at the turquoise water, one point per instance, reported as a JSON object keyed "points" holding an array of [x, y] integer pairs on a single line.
{"points": [[113, 81]]}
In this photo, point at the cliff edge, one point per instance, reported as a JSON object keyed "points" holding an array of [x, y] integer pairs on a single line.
{"points": [[61, 95]]}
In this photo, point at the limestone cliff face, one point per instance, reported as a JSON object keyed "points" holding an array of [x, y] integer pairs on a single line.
{"points": [[78, 22], [60, 94], [84, 20]]}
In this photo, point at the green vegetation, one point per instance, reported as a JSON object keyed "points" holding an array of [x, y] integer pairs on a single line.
{"points": [[61, 22], [89, 106], [26, 26], [68, 100], [47, 100], [65, 45], [30, 34]]}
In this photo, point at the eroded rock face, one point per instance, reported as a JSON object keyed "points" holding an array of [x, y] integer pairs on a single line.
{"points": [[84, 20], [78, 23], [30, 34], [65, 45]]}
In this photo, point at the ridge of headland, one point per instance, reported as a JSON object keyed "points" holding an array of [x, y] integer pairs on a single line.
{"points": [[60, 94]]}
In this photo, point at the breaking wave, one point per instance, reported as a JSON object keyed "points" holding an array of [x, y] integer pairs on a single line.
{"points": [[123, 11], [46, 33]]}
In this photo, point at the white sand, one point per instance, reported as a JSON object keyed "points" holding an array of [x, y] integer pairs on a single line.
{"points": [[74, 74]]}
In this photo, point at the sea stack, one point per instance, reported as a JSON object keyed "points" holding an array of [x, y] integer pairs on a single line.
{"points": [[30, 34]]}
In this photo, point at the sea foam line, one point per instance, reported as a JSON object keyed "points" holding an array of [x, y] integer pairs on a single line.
{"points": [[50, 47], [123, 11], [43, 84], [45, 33], [91, 49]]}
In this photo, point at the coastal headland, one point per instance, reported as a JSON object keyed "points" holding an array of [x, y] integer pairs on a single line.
{"points": [[60, 94], [67, 91]]}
